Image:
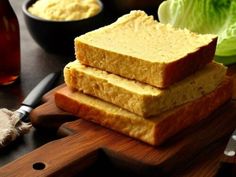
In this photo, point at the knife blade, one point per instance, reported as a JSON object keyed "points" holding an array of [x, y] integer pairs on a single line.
{"points": [[230, 149], [228, 162]]}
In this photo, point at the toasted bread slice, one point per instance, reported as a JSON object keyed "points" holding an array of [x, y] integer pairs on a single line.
{"points": [[140, 48], [140, 98], [152, 131]]}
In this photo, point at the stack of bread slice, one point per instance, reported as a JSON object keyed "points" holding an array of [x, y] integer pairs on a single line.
{"points": [[143, 78]]}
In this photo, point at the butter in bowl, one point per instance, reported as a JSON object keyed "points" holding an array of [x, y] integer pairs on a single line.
{"points": [[54, 24]]}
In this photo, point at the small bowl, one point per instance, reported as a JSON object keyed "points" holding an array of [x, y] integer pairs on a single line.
{"points": [[58, 36]]}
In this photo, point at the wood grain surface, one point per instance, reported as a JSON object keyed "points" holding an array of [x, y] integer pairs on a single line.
{"points": [[89, 143]]}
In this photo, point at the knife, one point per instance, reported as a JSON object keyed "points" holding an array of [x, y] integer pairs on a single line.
{"points": [[34, 97], [16, 123], [228, 161]]}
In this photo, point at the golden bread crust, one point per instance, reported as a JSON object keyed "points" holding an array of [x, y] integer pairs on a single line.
{"points": [[153, 131], [193, 112]]}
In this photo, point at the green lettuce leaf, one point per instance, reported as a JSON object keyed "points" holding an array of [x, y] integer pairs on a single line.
{"points": [[204, 16]]}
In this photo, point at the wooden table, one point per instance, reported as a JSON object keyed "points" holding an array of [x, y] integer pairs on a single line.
{"points": [[35, 64]]}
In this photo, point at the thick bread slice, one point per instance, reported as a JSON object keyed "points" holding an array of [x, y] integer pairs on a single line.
{"points": [[140, 98], [153, 131], [140, 48]]}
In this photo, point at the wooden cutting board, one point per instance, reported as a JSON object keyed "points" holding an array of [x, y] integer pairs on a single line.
{"points": [[89, 143]]}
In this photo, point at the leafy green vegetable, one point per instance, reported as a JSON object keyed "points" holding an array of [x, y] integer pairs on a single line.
{"points": [[204, 16]]}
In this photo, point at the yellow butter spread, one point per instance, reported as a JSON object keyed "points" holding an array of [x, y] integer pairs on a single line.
{"points": [[65, 10]]}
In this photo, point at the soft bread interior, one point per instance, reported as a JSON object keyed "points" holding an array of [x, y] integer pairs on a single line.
{"points": [[141, 98]]}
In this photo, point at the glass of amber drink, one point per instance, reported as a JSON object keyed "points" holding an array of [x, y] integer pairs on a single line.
{"points": [[9, 44]]}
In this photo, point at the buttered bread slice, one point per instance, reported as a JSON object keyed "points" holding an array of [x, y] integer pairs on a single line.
{"points": [[153, 131], [140, 48], [140, 98]]}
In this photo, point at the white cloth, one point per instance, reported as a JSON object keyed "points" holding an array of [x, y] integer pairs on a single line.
{"points": [[11, 127]]}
